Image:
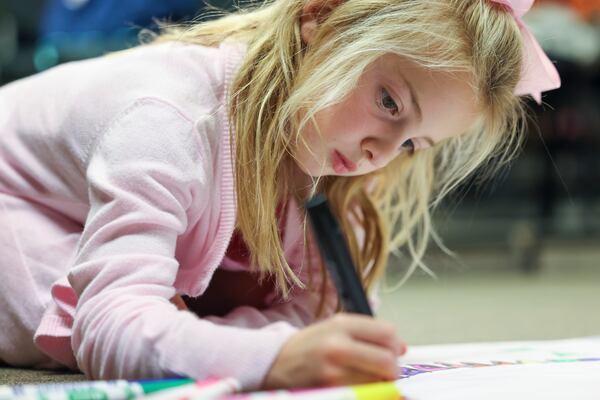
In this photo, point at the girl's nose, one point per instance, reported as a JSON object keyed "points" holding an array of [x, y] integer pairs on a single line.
{"points": [[380, 152]]}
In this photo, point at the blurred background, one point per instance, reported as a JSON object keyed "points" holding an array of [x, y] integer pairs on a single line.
{"points": [[526, 244]]}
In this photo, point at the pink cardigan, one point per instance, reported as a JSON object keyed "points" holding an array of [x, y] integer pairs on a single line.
{"points": [[135, 149]]}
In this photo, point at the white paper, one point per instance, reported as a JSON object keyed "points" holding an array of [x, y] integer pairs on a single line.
{"points": [[548, 370]]}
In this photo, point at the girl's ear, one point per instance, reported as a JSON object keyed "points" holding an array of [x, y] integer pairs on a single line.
{"points": [[313, 12]]}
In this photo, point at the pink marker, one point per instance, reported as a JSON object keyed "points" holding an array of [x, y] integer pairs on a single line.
{"points": [[201, 390]]}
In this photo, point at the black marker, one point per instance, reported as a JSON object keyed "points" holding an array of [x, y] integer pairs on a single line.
{"points": [[336, 256]]}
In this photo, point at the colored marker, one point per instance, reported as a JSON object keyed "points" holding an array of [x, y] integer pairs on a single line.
{"points": [[204, 390], [89, 390], [337, 256], [372, 391]]}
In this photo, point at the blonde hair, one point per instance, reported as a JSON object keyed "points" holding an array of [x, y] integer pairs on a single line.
{"points": [[281, 79]]}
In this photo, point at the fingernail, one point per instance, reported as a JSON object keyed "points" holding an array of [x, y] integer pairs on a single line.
{"points": [[403, 348]]}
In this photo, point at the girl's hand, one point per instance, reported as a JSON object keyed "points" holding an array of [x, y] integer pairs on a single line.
{"points": [[342, 350]]}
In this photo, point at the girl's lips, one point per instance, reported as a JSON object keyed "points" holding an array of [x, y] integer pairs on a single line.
{"points": [[341, 164]]}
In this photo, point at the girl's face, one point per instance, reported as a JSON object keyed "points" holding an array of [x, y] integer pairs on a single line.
{"points": [[397, 108]]}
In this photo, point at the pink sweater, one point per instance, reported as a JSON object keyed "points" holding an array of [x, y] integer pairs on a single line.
{"points": [[132, 153]]}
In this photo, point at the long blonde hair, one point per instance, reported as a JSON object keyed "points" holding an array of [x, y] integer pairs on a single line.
{"points": [[281, 78]]}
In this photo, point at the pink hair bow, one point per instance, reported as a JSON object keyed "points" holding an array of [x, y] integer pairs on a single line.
{"points": [[538, 74]]}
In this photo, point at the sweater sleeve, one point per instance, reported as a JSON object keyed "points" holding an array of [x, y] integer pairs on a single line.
{"points": [[144, 174]]}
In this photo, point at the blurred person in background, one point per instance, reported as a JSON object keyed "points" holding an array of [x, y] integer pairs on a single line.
{"points": [[38, 34], [76, 29]]}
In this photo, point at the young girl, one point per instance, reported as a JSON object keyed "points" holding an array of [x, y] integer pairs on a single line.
{"points": [[179, 169]]}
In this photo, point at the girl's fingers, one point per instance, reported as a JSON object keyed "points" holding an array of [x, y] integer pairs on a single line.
{"points": [[370, 360], [368, 329], [349, 376]]}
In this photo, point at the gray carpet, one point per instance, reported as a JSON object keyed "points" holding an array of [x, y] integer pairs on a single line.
{"points": [[17, 376]]}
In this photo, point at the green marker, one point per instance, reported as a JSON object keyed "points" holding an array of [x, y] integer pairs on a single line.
{"points": [[89, 390]]}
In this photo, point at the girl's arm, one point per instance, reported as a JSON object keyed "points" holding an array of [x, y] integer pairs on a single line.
{"points": [[145, 174]]}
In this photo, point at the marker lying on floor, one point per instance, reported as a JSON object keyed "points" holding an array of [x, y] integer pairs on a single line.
{"points": [[202, 390], [371, 391], [111, 390]]}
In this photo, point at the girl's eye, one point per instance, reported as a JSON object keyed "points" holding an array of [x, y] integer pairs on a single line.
{"points": [[388, 102], [409, 146]]}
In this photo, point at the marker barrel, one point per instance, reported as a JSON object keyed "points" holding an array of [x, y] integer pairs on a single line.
{"points": [[88, 390], [372, 391], [204, 390]]}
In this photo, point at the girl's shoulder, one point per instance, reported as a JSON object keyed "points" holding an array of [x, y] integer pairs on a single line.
{"points": [[187, 82], [79, 102], [190, 77]]}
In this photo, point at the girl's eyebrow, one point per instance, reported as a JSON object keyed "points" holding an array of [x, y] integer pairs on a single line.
{"points": [[415, 103], [429, 140], [415, 100], [413, 94]]}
